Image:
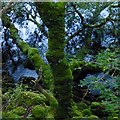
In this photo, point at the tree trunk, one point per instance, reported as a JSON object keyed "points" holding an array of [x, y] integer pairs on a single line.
{"points": [[53, 15]]}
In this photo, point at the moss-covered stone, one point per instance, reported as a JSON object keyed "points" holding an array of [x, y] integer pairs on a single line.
{"points": [[50, 116], [113, 116], [10, 115], [10, 106], [86, 112], [98, 109], [39, 112], [82, 105], [93, 117], [76, 111], [95, 105], [19, 110], [30, 98]]}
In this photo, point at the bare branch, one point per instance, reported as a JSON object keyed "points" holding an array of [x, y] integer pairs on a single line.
{"points": [[82, 18], [4, 9], [96, 25], [35, 22]]}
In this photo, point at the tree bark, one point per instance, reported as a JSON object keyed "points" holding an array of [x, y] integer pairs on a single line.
{"points": [[53, 15]]}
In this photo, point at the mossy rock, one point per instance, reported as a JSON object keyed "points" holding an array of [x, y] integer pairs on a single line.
{"points": [[78, 113], [39, 112], [98, 109], [78, 118], [95, 105], [113, 116], [30, 98], [50, 116], [10, 115], [19, 110], [93, 117], [10, 106], [82, 106], [86, 112]]}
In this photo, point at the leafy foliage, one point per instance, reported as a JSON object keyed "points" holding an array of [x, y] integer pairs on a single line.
{"points": [[107, 84]]}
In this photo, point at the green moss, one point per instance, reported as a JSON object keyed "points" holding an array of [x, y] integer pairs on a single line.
{"points": [[4, 114], [50, 116], [10, 106], [9, 115], [113, 116], [23, 46], [39, 112], [30, 98], [53, 16], [19, 110], [82, 106], [34, 55], [76, 112], [86, 112], [76, 64], [85, 66], [95, 104], [93, 117]]}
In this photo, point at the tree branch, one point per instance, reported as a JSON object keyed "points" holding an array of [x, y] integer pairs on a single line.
{"points": [[33, 55], [96, 25], [82, 18], [53, 101], [4, 9], [35, 22]]}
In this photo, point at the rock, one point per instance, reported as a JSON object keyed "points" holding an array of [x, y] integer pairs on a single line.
{"points": [[24, 72]]}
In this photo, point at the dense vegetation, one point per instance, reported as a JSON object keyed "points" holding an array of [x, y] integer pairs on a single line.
{"points": [[67, 66]]}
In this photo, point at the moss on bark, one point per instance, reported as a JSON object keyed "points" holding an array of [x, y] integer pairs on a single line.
{"points": [[32, 53], [55, 12]]}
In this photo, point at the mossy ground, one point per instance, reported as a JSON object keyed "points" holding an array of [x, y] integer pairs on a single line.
{"points": [[20, 103], [25, 104]]}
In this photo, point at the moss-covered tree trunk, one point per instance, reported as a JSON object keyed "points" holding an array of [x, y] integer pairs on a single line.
{"points": [[53, 15]]}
